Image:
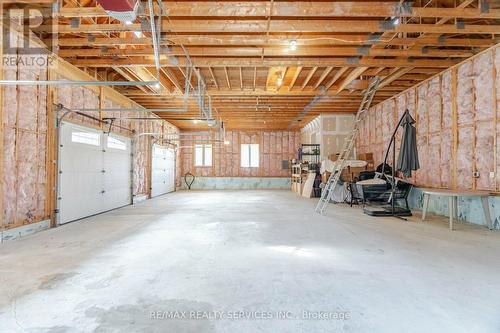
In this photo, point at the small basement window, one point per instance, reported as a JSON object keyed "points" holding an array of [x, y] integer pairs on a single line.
{"points": [[203, 155], [88, 138], [116, 143], [249, 155]]}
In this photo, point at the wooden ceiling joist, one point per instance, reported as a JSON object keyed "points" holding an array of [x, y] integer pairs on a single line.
{"points": [[257, 9], [276, 55]]}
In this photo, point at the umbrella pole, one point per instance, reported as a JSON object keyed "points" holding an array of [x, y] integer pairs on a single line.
{"points": [[392, 143]]}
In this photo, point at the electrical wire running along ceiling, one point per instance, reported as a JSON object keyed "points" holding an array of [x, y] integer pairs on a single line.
{"points": [[265, 61]]}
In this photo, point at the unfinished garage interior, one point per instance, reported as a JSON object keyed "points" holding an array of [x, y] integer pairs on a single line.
{"points": [[250, 166]]}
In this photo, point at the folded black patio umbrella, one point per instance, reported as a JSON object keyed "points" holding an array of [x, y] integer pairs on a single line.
{"points": [[408, 153]]}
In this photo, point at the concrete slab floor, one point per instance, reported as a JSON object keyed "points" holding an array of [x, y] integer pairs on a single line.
{"points": [[259, 254]]}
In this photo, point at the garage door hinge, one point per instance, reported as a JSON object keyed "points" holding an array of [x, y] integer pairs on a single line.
{"points": [[60, 171], [56, 211]]}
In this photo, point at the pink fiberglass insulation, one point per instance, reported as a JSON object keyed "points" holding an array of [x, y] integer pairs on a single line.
{"points": [[431, 168], [9, 174], [27, 171], [10, 98], [465, 157], [91, 101], [433, 107], [446, 160], [484, 155], [483, 86], [274, 147], [28, 106], [421, 175], [465, 94], [422, 115], [497, 67], [378, 124], [372, 124], [387, 121], [401, 108], [446, 99]]}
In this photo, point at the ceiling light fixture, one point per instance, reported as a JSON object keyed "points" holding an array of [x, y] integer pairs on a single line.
{"points": [[157, 85], [128, 22], [226, 142], [293, 45], [279, 81]]}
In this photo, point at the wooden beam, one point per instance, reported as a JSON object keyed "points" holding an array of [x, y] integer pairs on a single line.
{"points": [[171, 76], [294, 78], [255, 78], [394, 76], [277, 25], [337, 76], [241, 78], [269, 62], [309, 76], [227, 78], [283, 40], [219, 9], [323, 76], [353, 75], [213, 77], [272, 51]]}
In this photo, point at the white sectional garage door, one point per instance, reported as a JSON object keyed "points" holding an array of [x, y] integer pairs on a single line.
{"points": [[162, 170], [95, 172]]}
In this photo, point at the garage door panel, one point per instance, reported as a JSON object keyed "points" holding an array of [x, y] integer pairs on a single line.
{"points": [[117, 178], [94, 178], [162, 170]]}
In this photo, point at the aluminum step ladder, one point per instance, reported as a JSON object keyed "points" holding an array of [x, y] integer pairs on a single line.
{"points": [[327, 193]]}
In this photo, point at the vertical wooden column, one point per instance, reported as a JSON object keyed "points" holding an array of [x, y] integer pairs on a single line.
{"points": [[51, 154], [454, 126], [474, 123], [1, 130], [495, 118]]}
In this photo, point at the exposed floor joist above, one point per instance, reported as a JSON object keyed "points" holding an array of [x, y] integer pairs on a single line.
{"points": [[264, 61]]}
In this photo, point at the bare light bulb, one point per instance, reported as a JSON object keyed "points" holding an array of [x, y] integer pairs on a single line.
{"points": [[293, 45], [226, 142]]}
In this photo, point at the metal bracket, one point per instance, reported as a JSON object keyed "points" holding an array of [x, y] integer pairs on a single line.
{"points": [[353, 60], [484, 6], [386, 25], [403, 8], [363, 50]]}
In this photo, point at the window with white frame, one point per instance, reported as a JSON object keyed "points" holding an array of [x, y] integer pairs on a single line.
{"points": [[250, 155], [115, 143], [88, 138], [202, 155]]}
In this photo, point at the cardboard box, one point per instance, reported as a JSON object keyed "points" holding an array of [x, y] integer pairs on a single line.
{"points": [[368, 157], [325, 176]]}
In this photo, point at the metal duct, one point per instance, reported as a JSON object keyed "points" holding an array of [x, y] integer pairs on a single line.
{"points": [[123, 10]]}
